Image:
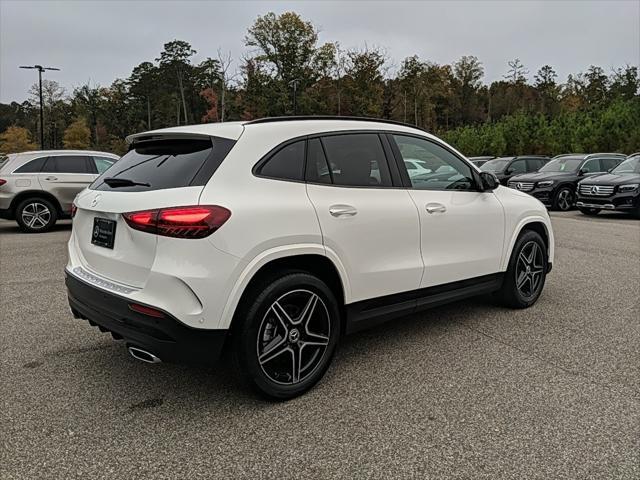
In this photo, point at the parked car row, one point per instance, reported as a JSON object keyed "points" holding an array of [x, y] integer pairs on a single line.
{"points": [[37, 188], [592, 182]]}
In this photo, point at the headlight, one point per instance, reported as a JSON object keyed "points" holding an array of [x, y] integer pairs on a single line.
{"points": [[628, 188], [546, 183]]}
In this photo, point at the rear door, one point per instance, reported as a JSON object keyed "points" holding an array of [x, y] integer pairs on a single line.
{"points": [[169, 173], [462, 229], [65, 175], [370, 223]]}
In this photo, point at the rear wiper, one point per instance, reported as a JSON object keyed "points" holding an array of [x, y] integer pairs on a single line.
{"points": [[115, 182]]}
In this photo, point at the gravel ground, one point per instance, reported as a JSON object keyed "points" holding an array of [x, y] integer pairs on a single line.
{"points": [[469, 390]]}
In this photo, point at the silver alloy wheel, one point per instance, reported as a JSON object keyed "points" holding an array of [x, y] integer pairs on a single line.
{"points": [[564, 199], [36, 215], [293, 337], [529, 269]]}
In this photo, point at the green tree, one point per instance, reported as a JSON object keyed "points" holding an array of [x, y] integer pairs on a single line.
{"points": [[176, 57]]}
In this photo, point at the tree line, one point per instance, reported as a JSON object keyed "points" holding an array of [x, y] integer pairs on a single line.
{"points": [[287, 71]]}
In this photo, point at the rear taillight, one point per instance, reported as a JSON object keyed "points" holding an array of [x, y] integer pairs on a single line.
{"points": [[2, 181], [74, 209], [179, 222]]}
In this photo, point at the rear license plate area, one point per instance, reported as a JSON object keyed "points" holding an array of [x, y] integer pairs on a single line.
{"points": [[104, 232]]}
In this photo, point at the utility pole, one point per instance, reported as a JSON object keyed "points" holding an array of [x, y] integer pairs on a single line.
{"points": [[294, 83], [40, 69]]}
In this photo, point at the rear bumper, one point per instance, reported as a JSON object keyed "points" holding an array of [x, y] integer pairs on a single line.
{"points": [[166, 338], [6, 213]]}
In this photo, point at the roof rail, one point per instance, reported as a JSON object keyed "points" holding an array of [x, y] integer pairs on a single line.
{"points": [[605, 154], [328, 117]]}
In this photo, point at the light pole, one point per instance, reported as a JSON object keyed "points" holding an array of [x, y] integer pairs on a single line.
{"points": [[294, 84], [40, 69]]}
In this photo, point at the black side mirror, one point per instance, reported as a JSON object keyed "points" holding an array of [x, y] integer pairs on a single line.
{"points": [[489, 181], [581, 172], [508, 171]]}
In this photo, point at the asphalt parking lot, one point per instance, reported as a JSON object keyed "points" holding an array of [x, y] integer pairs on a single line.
{"points": [[469, 390]]}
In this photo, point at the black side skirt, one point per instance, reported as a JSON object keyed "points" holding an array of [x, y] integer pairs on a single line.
{"points": [[367, 313]]}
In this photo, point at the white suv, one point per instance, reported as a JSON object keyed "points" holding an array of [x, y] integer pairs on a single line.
{"points": [[272, 238]]}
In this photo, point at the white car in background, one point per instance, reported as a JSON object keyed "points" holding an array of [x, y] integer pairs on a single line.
{"points": [[273, 239]]}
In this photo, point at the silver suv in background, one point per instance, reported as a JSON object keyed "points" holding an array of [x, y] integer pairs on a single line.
{"points": [[38, 188]]}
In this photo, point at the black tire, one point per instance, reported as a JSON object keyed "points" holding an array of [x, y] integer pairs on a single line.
{"points": [[589, 211], [564, 199], [516, 293], [36, 215], [260, 332]]}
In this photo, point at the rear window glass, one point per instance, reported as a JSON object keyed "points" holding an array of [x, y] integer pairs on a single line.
{"points": [[162, 164], [34, 166]]}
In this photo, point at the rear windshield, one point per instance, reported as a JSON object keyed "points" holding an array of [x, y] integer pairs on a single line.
{"points": [[161, 164]]}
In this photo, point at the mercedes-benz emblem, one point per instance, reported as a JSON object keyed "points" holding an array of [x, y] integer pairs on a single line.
{"points": [[519, 186], [595, 189], [96, 232], [96, 199]]}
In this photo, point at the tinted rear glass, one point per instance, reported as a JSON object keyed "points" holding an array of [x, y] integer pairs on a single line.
{"points": [[164, 164], [67, 164], [34, 166]]}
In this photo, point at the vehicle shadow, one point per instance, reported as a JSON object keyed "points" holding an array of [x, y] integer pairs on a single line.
{"points": [[11, 227], [194, 388]]}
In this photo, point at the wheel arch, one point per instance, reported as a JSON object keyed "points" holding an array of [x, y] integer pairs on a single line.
{"points": [[35, 194], [537, 224], [308, 259]]}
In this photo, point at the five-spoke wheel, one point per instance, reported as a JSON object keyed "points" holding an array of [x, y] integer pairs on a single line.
{"points": [[289, 328], [527, 271], [564, 199], [35, 215], [293, 337]]}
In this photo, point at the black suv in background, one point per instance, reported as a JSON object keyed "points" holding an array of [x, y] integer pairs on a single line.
{"points": [[617, 190], [506, 167], [555, 183]]}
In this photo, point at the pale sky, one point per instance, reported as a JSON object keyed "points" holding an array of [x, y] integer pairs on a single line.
{"points": [[100, 41]]}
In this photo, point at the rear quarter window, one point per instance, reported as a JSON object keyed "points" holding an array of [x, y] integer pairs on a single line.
{"points": [[168, 163], [34, 166]]}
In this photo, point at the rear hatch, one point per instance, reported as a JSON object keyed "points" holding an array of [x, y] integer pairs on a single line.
{"points": [[154, 174]]}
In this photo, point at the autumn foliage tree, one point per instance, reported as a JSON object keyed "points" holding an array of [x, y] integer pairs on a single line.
{"points": [[16, 139]]}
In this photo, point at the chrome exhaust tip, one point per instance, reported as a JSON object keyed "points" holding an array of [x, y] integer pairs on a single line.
{"points": [[143, 355]]}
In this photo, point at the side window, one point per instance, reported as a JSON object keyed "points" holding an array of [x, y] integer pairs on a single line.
{"points": [[102, 164], [357, 160], [448, 172], [518, 166], [592, 165], [287, 163], [533, 164], [608, 163], [410, 165], [67, 164], [317, 167], [34, 166]]}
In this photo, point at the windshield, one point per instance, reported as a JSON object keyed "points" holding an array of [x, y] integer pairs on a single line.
{"points": [[630, 165], [497, 165], [563, 164]]}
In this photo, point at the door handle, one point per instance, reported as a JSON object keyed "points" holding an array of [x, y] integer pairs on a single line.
{"points": [[436, 208], [342, 210], [51, 179]]}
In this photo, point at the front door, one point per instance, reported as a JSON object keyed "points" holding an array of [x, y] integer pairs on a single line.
{"points": [[462, 229]]}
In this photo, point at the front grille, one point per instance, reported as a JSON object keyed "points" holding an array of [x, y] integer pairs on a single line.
{"points": [[522, 186], [596, 190]]}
